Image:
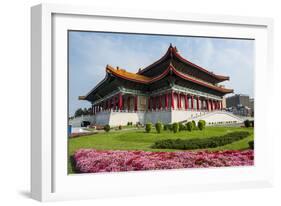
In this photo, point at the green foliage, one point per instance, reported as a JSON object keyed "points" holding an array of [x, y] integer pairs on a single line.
{"points": [[247, 123], [129, 123], [251, 144], [189, 126], [181, 127], [158, 127], [79, 112], [120, 127], [200, 143], [252, 123], [175, 127], [166, 127], [148, 127], [193, 124], [106, 128], [201, 124]]}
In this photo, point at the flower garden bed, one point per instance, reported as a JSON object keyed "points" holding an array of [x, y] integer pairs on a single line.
{"points": [[93, 161]]}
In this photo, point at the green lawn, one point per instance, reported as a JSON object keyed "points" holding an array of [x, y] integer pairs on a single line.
{"points": [[139, 140]]}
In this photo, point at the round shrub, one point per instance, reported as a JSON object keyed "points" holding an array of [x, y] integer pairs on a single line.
{"points": [[252, 123], [181, 127], [247, 123], [158, 127], [170, 126], [106, 128], [175, 127], [166, 127], [251, 144], [201, 124], [120, 127], [189, 126], [193, 124], [148, 127]]}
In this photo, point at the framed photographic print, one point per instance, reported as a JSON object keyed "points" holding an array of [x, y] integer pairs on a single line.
{"points": [[137, 102]]}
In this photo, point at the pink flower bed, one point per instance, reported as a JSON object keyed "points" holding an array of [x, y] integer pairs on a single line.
{"points": [[92, 161]]}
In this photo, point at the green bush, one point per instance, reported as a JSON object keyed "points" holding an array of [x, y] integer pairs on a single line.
{"points": [[158, 127], [148, 127], [171, 127], [189, 126], [200, 143], [247, 123], [193, 124], [175, 127], [120, 127], [166, 127], [201, 124], [106, 128], [251, 144], [181, 127], [252, 123]]}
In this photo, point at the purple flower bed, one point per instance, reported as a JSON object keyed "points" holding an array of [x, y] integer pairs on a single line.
{"points": [[92, 161]]}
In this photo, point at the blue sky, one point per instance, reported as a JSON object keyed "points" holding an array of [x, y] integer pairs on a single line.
{"points": [[90, 52]]}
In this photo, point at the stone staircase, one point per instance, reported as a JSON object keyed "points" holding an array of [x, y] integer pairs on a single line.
{"points": [[217, 118]]}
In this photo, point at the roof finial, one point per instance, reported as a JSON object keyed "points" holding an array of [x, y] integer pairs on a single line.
{"points": [[117, 68], [171, 45]]}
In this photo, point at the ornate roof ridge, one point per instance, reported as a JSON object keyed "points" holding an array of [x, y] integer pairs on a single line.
{"points": [[173, 52], [148, 80]]}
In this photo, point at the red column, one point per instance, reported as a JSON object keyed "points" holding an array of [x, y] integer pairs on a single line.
{"points": [[192, 102], [166, 101], [136, 103], [148, 103], [172, 100], [120, 102], [221, 105], [154, 103], [128, 102], [179, 100], [159, 102], [185, 102], [198, 103]]}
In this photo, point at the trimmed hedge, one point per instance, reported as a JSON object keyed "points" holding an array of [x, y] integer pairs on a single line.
{"points": [[247, 123], [193, 124], [158, 127], [189, 126], [201, 124], [251, 144], [181, 127], [200, 143], [148, 127], [175, 127], [106, 128]]}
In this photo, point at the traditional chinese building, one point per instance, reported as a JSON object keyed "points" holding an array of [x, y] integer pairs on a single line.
{"points": [[171, 89]]}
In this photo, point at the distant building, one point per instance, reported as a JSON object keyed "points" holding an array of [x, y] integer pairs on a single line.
{"points": [[238, 99], [240, 104]]}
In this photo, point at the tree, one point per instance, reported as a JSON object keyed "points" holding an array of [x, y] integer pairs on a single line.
{"points": [[78, 112]]}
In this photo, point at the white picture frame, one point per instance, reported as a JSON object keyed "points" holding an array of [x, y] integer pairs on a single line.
{"points": [[49, 178]]}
